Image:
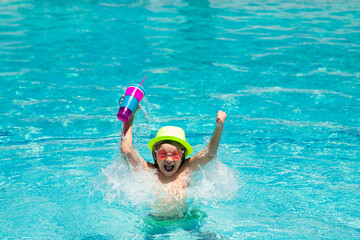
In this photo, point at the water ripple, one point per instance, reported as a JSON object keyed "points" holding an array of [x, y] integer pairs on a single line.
{"points": [[259, 91]]}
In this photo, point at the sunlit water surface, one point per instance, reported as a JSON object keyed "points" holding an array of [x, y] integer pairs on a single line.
{"points": [[286, 73]]}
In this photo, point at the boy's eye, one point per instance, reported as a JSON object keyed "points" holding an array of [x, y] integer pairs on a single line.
{"points": [[176, 155]]}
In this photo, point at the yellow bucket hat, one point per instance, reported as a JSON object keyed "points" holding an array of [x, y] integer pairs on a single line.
{"points": [[174, 134]]}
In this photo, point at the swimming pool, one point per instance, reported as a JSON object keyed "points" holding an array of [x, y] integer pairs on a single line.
{"points": [[286, 72]]}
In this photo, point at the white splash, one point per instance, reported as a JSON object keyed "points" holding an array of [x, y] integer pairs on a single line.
{"points": [[213, 184], [128, 187]]}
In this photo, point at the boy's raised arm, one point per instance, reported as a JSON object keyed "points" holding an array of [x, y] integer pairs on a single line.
{"points": [[128, 151], [209, 153]]}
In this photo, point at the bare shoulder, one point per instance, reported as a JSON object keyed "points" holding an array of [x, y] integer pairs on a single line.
{"points": [[188, 166], [148, 165], [194, 163]]}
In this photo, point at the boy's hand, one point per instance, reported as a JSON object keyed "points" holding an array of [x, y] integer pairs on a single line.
{"points": [[121, 99], [220, 118]]}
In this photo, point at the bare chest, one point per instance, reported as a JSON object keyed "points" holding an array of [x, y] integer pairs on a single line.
{"points": [[175, 188]]}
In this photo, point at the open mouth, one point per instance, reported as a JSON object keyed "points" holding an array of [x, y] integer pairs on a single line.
{"points": [[169, 168]]}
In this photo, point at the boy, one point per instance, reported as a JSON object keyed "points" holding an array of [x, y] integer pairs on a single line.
{"points": [[169, 150]]}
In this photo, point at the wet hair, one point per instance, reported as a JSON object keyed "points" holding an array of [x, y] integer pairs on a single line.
{"points": [[158, 144]]}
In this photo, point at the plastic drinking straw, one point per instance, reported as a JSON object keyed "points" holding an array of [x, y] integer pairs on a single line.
{"points": [[142, 81]]}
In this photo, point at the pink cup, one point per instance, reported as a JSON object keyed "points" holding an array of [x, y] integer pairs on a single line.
{"points": [[133, 95]]}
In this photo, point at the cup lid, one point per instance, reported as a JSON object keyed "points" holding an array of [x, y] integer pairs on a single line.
{"points": [[138, 86]]}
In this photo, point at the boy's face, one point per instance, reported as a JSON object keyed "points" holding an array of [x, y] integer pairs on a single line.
{"points": [[168, 157]]}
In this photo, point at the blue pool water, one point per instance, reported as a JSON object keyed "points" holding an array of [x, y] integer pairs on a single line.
{"points": [[287, 74]]}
